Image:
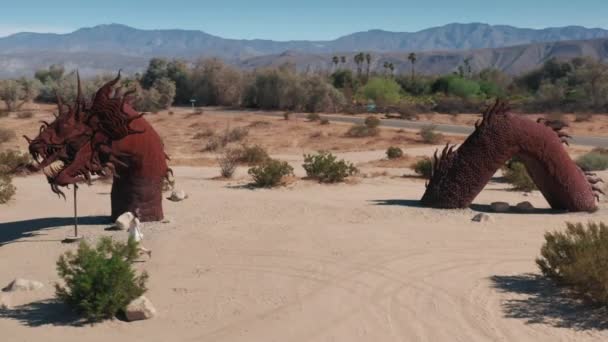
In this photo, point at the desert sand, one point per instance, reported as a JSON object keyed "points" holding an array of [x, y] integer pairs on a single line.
{"points": [[358, 261]]}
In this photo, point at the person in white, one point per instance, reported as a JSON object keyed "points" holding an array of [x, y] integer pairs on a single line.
{"points": [[136, 234]]}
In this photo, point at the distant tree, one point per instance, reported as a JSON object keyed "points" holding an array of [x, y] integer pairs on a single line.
{"points": [[15, 93], [343, 59], [412, 58], [335, 60], [54, 73], [358, 59], [157, 69], [368, 60]]}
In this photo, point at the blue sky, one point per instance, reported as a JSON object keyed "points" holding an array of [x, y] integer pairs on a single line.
{"points": [[287, 20]]}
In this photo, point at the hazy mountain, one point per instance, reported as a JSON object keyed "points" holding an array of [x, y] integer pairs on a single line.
{"points": [[109, 47]]}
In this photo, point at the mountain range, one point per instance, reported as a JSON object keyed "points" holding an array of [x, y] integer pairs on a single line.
{"points": [[106, 48]]}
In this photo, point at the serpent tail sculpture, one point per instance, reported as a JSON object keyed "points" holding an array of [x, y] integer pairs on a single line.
{"points": [[107, 136], [460, 174]]}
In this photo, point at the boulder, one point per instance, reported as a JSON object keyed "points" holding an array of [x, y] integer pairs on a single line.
{"points": [[524, 207], [481, 217], [500, 207], [139, 309], [178, 196], [21, 284]]}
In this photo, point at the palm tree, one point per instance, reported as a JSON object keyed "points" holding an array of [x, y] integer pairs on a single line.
{"points": [[412, 58], [335, 60], [368, 59], [343, 59], [359, 60]]}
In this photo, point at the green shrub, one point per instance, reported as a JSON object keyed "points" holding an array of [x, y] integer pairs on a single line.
{"points": [[593, 161], [270, 173], [394, 152], [383, 91], [7, 189], [424, 167], [325, 167], [253, 155], [361, 131], [313, 117], [100, 281], [372, 122], [235, 134], [6, 135], [429, 135], [516, 174], [13, 161], [578, 258]]}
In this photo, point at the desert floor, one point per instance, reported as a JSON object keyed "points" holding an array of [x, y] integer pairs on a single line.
{"points": [[358, 261]]}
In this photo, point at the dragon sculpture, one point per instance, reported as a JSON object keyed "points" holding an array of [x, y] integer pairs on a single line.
{"points": [[460, 175], [106, 136]]}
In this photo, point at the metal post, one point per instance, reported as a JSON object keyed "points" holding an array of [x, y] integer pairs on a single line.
{"points": [[75, 212]]}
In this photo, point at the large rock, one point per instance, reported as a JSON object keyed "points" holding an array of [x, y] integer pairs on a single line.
{"points": [[500, 207], [21, 284], [524, 207], [481, 217], [139, 309], [125, 221], [178, 195]]}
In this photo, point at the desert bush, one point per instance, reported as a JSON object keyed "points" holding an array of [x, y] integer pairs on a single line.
{"points": [[214, 143], [100, 281], [593, 161], [516, 174], [12, 162], [205, 133], [287, 115], [6, 135], [324, 121], [369, 128], [253, 155], [15, 93], [313, 117], [583, 117], [394, 152], [259, 124], [429, 135], [25, 115], [424, 167], [270, 173], [7, 189], [235, 134], [371, 122], [326, 168], [228, 161], [577, 258]]}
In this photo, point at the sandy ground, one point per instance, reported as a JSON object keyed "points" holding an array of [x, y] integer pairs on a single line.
{"points": [[307, 262]]}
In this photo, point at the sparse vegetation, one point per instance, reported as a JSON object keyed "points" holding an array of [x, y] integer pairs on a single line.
{"points": [[516, 174], [394, 152], [326, 168], [12, 162], [593, 161], [253, 155], [324, 121], [228, 161], [429, 135], [25, 115], [204, 133], [6, 135], [270, 173], [577, 258], [7, 189], [88, 287], [424, 167], [216, 142], [313, 117], [371, 122]]}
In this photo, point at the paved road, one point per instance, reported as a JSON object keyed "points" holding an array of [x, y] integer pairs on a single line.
{"points": [[452, 129]]}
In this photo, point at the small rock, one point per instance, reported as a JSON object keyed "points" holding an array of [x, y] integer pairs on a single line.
{"points": [[481, 217], [500, 207], [139, 309], [166, 220], [5, 302], [21, 284], [524, 207], [178, 195], [125, 221]]}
